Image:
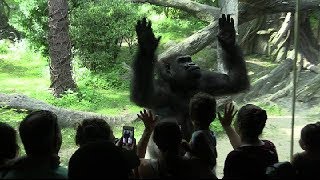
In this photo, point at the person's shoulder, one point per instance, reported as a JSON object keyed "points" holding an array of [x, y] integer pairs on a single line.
{"points": [[235, 153], [298, 158], [61, 172], [148, 168], [268, 143]]}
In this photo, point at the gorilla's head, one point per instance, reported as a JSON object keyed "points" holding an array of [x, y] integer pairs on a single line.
{"points": [[180, 69]]}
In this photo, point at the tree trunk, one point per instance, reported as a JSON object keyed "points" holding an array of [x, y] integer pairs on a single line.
{"points": [[248, 34], [66, 117], [308, 43], [60, 48], [279, 41]]}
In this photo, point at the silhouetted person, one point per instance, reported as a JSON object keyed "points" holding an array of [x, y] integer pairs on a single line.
{"points": [[41, 138], [98, 160], [95, 134], [203, 142], [93, 129], [307, 163], [9, 148], [251, 156], [281, 170]]}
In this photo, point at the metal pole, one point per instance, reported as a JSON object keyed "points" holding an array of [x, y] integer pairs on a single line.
{"points": [[296, 47]]}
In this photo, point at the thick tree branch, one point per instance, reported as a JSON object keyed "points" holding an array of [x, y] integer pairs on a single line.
{"points": [[248, 9], [66, 117], [203, 12], [194, 43], [251, 9]]}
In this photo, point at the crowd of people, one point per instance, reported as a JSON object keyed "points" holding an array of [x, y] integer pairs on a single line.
{"points": [[102, 155]]}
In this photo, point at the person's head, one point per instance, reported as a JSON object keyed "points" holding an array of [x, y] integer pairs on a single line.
{"points": [[310, 137], [202, 109], [99, 159], [251, 120], [40, 133], [8, 142], [167, 136], [93, 129], [179, 69]]}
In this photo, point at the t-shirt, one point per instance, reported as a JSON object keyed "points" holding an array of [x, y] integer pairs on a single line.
{"points": [[203, 145], [28, 168], [181, 168], [102, 159], [306, 167], [247, 162]]}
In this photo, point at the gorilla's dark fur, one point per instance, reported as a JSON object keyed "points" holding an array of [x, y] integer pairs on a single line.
{"points": [[167, 86]]}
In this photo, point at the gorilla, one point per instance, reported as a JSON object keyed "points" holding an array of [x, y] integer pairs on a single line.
{"points": [[166, 86]]}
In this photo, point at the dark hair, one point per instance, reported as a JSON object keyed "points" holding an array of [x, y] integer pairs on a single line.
{"points": [[167, 135], [91, 130], [202, 108], [310, 135], [40, 133], [251, 120], [8, 142]]}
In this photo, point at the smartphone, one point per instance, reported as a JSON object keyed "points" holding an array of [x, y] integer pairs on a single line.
{"points": [[127, 135]]}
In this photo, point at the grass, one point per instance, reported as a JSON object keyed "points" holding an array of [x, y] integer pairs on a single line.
{"points": [[25, 71]]}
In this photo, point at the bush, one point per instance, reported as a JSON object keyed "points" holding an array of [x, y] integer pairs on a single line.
{"points": [[32, 20], [98, 30], [4, 46]]}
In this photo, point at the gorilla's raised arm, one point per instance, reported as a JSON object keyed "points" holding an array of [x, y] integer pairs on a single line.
{"points": [[142, 84], [236, 79]]}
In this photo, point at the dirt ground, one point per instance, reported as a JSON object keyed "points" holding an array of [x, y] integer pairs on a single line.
{"points": [[277, 130]]}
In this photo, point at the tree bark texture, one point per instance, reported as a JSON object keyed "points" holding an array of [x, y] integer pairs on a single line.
{"points": [[66, 117], [59, 48]]}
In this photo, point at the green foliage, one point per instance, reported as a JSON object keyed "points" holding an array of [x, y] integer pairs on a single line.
{"points": [[272, 109], [32, 20], [4, 46], [98, 30], [216, 127], [314, 22]]}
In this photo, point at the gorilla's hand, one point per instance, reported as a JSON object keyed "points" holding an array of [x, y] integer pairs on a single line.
{"points": [[227, 33], [146, 39]]}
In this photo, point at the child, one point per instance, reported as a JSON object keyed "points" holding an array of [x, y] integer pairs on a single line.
{"points": [[307, 163], [202, 109], [251, 156]]}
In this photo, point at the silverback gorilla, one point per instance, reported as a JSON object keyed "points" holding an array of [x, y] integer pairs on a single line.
{"points": [[168, 91]]}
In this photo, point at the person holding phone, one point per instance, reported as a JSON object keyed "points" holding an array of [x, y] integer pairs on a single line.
{"points": [[97, 145]]}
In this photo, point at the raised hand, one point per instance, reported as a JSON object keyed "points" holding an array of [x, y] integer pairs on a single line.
{"points": [[228, 116], [227, 33], [146, 38], [149, 120]]}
